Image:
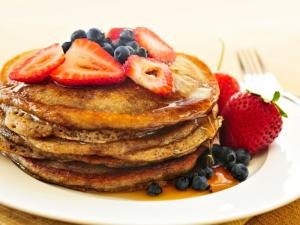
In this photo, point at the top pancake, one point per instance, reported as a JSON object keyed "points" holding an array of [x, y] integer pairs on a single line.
{"points": [[122, 106]]}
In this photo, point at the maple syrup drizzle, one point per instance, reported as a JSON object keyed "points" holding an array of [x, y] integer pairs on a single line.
{"points": [[221, 180]]}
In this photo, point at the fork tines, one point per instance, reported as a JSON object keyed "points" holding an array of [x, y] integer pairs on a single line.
{"points": [[250, 62]]}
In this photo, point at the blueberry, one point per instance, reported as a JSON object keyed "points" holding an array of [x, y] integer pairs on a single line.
{"points": [[65, 46], [107, 47], [230, 156], [225, 155], [142, 52], [78, 34], [127, 35], [200, 183], [209, 172], [131, 50], [230, 165], [95, 35], [239, 171], [201, 172], [154, 189], [191, 175], [182, 183], [107, 40], [121, 53], [133, 44], [217, 151], [243, 156]]}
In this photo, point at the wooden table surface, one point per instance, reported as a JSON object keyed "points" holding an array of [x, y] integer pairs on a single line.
{"points": [[192, 26]]}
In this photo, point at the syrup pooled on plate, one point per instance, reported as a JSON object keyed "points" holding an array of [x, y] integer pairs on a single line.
{"points": [[221, 180]]}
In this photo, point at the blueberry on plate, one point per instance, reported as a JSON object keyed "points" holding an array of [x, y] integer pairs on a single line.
{"points": [[243, 156], [142, 52], [229, 166], [108, 47], [226, 155], [78, 34], [127, 35], [201, 172], [154, 189], [230, 156], [209, 172], [239, 171], [95, 35], [66, 45], [217, 151], [182, 183], [200, 183], [121, 54]]}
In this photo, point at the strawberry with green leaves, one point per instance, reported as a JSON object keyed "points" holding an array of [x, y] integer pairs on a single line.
{"points": [[251, 122]]}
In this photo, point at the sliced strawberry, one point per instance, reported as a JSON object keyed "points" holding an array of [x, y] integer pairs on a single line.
{"points": [[38, 66], [88, 64], [149, 73], [156, 47], [114, 33]]}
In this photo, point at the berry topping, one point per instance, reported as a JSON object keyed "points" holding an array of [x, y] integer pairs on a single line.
{"points": [[243, 156], [239, 171], [65, 46], [95, 35], [114, 33], [251, 122], [133, 44], [37, 67], [131, 50], [88, 64], [228, 87], [156, 47], [149, 73], [182, 183], [200, 183], [142, 52], [108, 47], [121, 54], [154, 189], [78, 34], [127, 35]]}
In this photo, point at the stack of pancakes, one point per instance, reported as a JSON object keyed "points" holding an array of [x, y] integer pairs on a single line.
{"points": [[113, 138]]}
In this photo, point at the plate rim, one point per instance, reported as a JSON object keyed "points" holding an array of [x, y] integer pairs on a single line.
{"points": [[259, 210]]}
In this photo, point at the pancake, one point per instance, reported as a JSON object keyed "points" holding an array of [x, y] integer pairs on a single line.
{"points": [[98, 178], [7, 146], [131, 150], [28, 125], [123, 106]]}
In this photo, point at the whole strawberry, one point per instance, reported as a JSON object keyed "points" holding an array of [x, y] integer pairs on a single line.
{"points": [[251, 122], [228, 86]]}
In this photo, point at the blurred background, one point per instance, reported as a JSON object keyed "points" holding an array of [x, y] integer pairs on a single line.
{"points": [[273, 27]]}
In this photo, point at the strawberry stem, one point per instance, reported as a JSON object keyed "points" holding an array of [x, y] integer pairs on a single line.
{"points": [[222, 54], [274, 100], [276, 97]]}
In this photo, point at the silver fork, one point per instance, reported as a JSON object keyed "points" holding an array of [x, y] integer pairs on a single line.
{"points": [[257, 78]]}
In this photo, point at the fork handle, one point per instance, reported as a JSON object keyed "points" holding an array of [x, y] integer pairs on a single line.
{"points": [[291, 97]]}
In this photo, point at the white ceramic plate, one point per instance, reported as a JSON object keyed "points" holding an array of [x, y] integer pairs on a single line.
{"points": [[274, 181]]}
